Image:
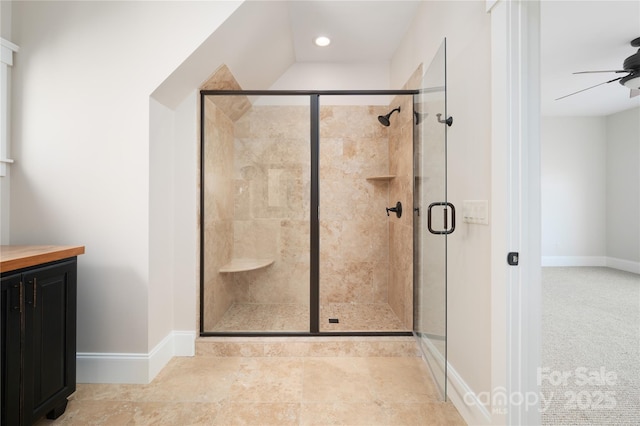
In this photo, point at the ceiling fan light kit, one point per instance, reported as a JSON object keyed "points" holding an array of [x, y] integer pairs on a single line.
{"points": [[632, 81], [631, 66]]}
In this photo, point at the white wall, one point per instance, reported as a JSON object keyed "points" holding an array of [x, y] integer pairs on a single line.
{"points": [[161, 221], [82, 149], [186, 240], [334, 76], [5, 20], [466, 26], [591, 191], [623, 189], [574, 198]]}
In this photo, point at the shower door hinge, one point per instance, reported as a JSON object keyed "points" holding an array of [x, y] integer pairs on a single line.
{"points": [[513, 258]]}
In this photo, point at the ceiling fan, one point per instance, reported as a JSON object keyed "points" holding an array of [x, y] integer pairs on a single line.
{"points": [[631, 67]]}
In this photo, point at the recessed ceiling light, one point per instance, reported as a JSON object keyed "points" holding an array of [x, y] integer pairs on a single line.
{"points": [[322, 41]]}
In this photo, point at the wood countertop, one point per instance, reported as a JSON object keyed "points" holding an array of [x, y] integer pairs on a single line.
{"points": [[18, 257]]}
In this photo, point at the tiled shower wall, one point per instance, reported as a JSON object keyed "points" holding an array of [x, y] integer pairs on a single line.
{"points": [[271, 172], [401, 189], [218, 205], [401, 229], [354, 236]]}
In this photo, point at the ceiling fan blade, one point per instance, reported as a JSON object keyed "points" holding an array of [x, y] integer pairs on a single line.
{"points": [[597, 72], [580, 91], [634, 92]]}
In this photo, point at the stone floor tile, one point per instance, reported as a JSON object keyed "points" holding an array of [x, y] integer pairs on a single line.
{"points": [[344, 413], [263, 414], [268, 380], [336, 380]]}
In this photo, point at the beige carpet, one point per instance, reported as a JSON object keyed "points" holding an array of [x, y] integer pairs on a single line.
{"points": [[590, 347]]}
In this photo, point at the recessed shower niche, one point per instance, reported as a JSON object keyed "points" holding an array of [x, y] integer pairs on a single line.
{"points": [[296, 237]]}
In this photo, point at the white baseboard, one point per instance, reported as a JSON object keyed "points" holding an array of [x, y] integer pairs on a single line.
{"points": [[139, 368], [623, 265], [160, 355], [574, 261], [609, 262], [468, 404]]}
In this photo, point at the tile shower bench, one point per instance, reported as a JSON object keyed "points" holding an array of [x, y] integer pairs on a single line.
{"points": [[245, 264]]}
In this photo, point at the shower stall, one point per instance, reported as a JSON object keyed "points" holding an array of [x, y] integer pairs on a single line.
{"points": [[300, 226], [326, 212]]}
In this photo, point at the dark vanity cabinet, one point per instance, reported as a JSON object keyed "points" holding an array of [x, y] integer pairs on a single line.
{"points": [[38, 340]]}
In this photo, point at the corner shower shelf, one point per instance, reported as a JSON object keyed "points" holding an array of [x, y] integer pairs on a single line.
{"points": [[381, 178], [245, 264]]}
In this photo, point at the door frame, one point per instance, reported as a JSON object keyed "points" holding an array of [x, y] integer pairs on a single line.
{"points": [[516, 304]]}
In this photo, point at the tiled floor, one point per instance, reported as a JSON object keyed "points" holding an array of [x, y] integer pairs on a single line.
{"points": [[264, 317], [291, 317], [307, 390], [359, 317]]}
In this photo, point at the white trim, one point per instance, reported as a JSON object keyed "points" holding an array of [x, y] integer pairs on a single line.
{"points": [[489, 4], [515, 204], [6, 60], [623, 265], [6, 51], [6, 43], [139, 368], [184, 343], [499, 211], [600, 261], [112, 368], [574, 261], [160, 356], [466, 401], [470, 407]]}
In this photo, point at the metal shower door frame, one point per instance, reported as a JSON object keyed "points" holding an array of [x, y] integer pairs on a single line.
{"points": [[314, 223]]}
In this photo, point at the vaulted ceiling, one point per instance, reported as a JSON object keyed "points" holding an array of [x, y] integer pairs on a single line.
{"points": [[360, 31], [263, 39]]}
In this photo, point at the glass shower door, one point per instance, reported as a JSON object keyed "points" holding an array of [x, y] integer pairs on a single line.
{"points": [[255, 226], [364, 168], [434, 218]]}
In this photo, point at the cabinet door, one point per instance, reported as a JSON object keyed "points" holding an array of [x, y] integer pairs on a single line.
{"points": [[50, 339], [11, 344]]}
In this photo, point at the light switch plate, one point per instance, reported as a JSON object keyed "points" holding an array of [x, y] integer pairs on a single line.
{"points": [[475, 211]]}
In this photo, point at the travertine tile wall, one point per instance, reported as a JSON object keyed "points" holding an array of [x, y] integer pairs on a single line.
{"points": [[271, 184], [354, 237], [218, 206], [401, 189]]}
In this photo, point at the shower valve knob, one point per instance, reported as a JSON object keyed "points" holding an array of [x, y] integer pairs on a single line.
{"points": [[397, 209]]}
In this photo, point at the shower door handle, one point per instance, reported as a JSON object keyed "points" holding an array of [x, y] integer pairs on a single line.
{"points": [[447, 230]]}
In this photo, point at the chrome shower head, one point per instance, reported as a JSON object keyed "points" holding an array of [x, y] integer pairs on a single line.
{"points": [[384, 119]]}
